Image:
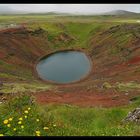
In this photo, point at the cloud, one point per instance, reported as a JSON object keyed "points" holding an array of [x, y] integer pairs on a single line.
{"points": [[73, 8]]}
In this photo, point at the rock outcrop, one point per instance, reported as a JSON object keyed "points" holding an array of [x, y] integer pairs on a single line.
{"points": [[133, 116]]}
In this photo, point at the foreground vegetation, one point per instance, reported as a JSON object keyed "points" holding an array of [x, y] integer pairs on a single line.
{"points": [[21, 116], [23, 119]]}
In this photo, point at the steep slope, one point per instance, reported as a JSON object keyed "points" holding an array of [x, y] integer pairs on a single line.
{"points": [[19, 49], [115, 53]]}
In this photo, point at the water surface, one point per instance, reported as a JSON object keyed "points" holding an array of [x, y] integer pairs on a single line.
{"points": [[64, 67]]}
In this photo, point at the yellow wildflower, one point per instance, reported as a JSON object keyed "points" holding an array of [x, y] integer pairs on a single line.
{"points": [[37, 120], [1, 135], [29, 108], [26, 111], [22, 126], [19, 122], [10, 119], [25, 116], [46, 128], [54, 125], [8, 125], [14, 129], [37, 132], [20, 119], [5, 121]]}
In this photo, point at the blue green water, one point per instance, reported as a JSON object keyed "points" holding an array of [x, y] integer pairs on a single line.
{"points": [[64, 67]]}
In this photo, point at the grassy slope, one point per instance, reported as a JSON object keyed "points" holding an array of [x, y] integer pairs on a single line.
{"points": [[117, 46], [91, 121]]}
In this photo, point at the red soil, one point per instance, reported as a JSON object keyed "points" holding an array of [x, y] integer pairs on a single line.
{"points": [[134, 60], [11, 30], [85, 98], [2, 55]]}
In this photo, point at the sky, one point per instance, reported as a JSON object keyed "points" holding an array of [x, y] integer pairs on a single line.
{"points": [[71, 8]]}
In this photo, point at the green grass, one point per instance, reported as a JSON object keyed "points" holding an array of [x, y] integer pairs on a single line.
{"points": [[24, 87], [90, 121], [95, 121], [21, 117], [69, 120]]}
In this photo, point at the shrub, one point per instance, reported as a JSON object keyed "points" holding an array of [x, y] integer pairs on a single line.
{"points": [[106, 85]]}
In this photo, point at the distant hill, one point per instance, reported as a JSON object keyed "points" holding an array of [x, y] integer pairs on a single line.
{"points": [[48, 13], [4, 10], [120, 12], [43, 13], [15, 12]]}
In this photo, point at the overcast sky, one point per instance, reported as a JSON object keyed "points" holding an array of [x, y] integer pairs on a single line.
{"points": [[72, 8]]}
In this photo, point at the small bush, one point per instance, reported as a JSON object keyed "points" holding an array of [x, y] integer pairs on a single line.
{"points": [[106, 85], [127, 86]]}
